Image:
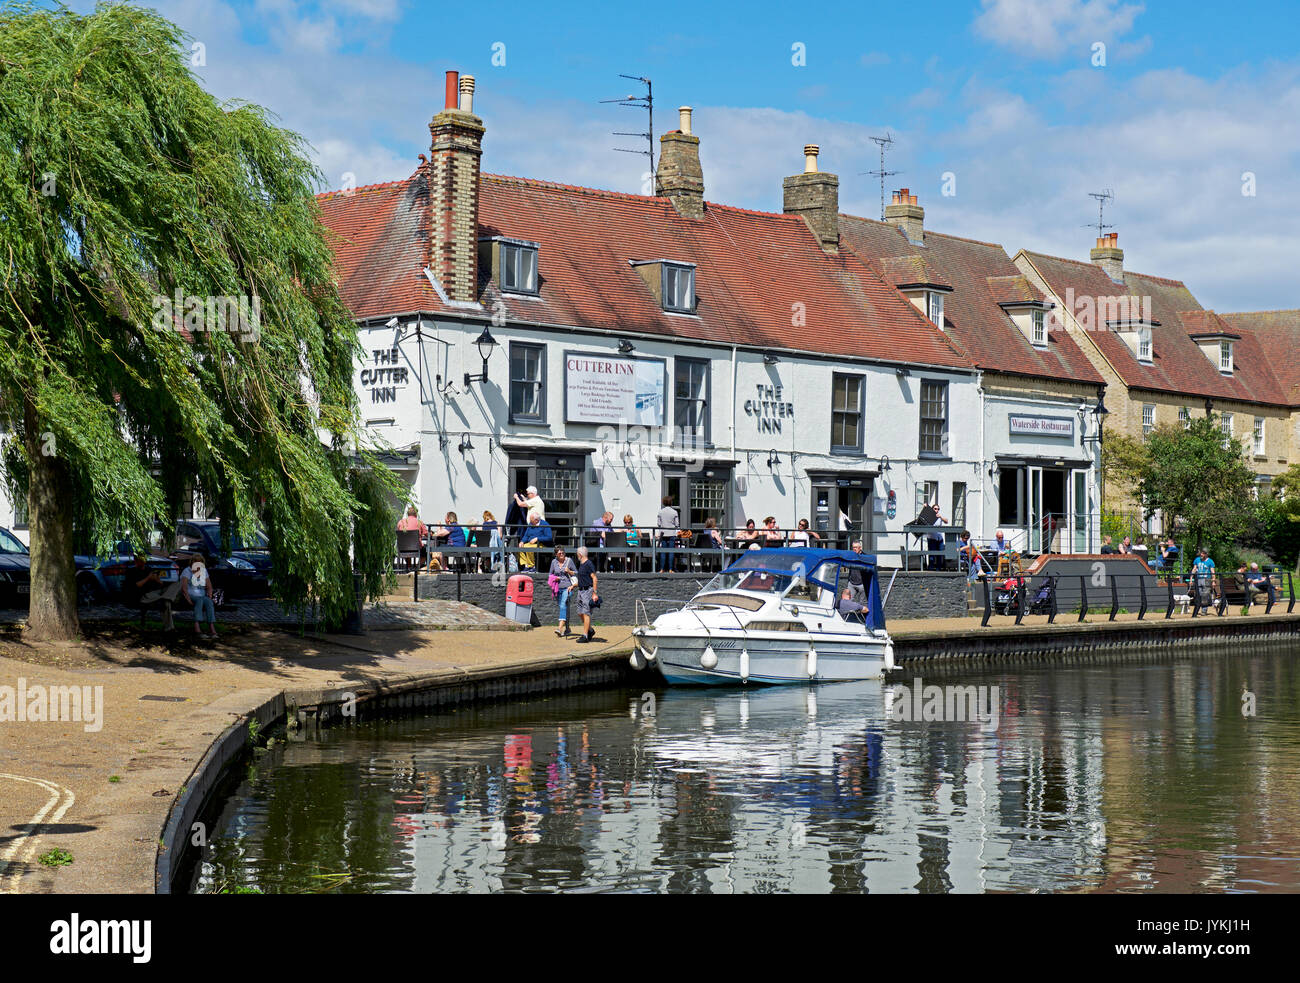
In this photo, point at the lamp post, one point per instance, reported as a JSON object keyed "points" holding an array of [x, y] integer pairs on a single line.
{"points": [[1100, 413], [485, 343]]}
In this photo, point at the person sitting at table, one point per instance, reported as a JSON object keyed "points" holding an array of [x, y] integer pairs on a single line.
{"points": [[537, 534], [411, 523], [711, 533], [450, 531], [603, 524], [1126, 545], [771, 534], [999, 542], [1168, 554], [804, 536], [1106, 546], [747, 535], [971, 556]]}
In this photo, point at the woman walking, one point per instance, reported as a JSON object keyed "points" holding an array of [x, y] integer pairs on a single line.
{"points": [[562, 579], [198, 589]]}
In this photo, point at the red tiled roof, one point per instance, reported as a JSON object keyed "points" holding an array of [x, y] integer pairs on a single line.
{"points": [[1205, 323], [1178, 364], [1277, 334], [982, 276], [762, 279]]}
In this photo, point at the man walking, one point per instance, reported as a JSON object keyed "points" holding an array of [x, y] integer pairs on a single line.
{"points": [[669, 522], [588, 585]]}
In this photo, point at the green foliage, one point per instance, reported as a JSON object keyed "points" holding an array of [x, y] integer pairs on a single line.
{"points": [[123, 182], [1277, 531], [55, 858], [1193, 476], [1124, 462]]}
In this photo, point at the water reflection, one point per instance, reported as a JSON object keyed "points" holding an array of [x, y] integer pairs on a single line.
{"points": [[1118, 777]]}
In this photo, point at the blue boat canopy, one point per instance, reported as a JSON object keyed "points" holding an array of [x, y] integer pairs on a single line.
{"points": [[807, 562]]}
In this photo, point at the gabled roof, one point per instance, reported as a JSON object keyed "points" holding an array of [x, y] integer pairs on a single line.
{"points": [[982, 277], [1206, 324], [762, 279], [1277, 335], [1178, 365]]}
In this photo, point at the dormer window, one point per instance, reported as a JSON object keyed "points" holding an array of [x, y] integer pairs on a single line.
{"points": [[512, 262], [1225, 357], [935, 308], [519, 268], [1144, 345], [679, 288], [671, 283], [1039, 337]]}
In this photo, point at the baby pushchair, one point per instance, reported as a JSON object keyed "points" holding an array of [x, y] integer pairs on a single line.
{"points": [[1007, 601], [1045, 598]]}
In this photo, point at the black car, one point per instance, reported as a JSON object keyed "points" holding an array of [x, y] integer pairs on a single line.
{"points": [[244, 570], [15, 571]]}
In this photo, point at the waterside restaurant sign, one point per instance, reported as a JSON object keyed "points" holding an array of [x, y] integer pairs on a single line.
{"points": [[1041, 426]]}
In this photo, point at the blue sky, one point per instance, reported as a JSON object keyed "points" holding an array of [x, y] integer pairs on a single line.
{"points": [[1002, 94]]}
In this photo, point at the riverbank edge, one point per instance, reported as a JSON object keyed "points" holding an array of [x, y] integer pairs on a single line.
{"points": [[1040, 643], [257, 710]]}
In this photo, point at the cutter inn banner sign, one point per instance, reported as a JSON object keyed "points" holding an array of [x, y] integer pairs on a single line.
{"points": [[605, 389]]}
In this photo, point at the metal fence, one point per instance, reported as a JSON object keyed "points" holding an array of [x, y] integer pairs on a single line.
{"points": [[1046, 594]]}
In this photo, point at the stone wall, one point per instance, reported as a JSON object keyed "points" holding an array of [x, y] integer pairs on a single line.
{"points": [[915, 594]]}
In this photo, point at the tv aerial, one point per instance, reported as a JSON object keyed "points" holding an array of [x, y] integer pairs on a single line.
{"points": [[647, 103], [883, 142]]}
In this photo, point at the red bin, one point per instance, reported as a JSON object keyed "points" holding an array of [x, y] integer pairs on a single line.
{"points": [[519, 599]]}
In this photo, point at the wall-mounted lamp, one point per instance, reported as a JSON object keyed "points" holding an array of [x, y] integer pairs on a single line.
{"points": [[485, 345], [884, 463], [1209, 406], [770, 359], [625, 347], [902, 373], [773, 458], [993, 469], [465, 444]]}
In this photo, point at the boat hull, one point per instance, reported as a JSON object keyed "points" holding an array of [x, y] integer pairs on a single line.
{"points": [[758, 660]]}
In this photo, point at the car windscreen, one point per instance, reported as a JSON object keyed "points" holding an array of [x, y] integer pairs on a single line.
{"points": [[9, 543], [212, 537]]}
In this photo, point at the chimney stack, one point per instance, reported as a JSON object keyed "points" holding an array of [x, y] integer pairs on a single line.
{"points": [[816, 196], [456, 148], [906, 214], [1109, 256], [680, 178]]}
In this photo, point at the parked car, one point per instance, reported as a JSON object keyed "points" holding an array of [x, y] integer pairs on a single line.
{"points": [[244, 570], [15, 571], [102, 579]]}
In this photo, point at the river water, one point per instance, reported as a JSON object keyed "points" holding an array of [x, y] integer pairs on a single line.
{"points": [[1176, 775]]}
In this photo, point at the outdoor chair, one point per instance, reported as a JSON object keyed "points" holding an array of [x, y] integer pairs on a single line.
{"points": [[408, 547]]}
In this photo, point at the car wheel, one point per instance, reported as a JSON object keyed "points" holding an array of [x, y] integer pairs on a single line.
{"points": [[89, 592]]}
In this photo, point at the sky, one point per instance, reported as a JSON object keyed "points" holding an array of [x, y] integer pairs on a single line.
{"points": [[1005, 114]]}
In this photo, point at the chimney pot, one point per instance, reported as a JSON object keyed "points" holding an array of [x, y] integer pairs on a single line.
{"points": [[904, 213], [679, 177], [467, 93], [452, 88], [810, 152], [684, 117]]}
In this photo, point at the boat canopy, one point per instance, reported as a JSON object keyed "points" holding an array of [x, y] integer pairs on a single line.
{"points": [[808, 563]]}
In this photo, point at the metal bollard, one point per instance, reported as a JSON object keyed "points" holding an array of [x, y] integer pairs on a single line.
{"points": [[1083, 596], [1114, 598]]}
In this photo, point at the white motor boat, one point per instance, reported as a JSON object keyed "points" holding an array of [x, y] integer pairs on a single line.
{"points": [[775, 616]]}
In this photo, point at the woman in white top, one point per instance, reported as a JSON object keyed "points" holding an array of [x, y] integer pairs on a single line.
{"points": [[198, 589]]}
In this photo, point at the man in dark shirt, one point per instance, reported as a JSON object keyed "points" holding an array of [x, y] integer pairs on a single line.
{"points": [[1106, 546], [857, 586], [588, 584]]}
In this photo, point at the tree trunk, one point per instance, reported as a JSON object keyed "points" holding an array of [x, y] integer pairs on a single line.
{"points": [[53, 612]]}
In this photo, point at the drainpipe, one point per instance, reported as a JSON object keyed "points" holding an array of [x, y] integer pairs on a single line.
{"points": [[984, 406], [733, 517]]}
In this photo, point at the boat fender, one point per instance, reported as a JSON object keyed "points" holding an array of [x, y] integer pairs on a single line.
{"points": [[812, 662], [889, 654], [744, 664], [709, 660], [637, 661], [650, 653]]}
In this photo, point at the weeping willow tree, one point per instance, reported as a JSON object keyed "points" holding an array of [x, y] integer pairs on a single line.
{"points": [[169, 318]]}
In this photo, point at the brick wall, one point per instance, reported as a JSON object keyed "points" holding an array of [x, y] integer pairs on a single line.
{"points": [[915, 594]]}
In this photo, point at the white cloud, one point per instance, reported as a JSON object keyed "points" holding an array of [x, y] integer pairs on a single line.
{"points": [[1046, 28]]}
